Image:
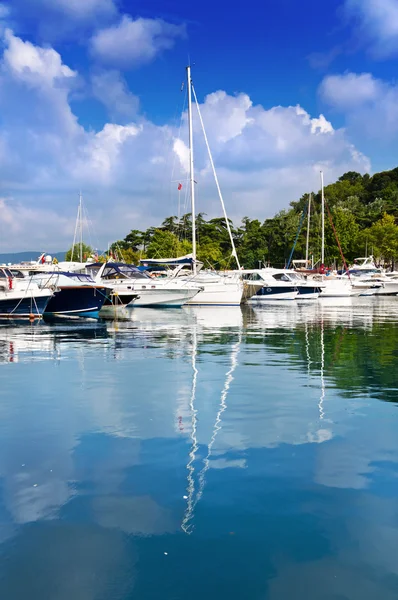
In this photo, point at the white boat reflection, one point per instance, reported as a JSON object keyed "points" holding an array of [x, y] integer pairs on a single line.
{"points": [[28, 340]]}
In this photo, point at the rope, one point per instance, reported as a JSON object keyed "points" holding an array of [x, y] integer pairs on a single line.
{"points": [[337, 240], [234, 253], [297, 234]]}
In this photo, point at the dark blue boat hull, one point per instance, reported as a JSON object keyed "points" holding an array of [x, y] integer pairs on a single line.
{"points": [[77, 301], [308, 290], [25, 307]]}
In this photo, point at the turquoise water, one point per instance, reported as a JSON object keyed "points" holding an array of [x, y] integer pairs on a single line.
{"points": [[202, 453]]}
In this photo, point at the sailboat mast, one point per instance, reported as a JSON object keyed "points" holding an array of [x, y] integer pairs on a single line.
{"points": [[308, 231], [81, 226], [323, 223], [191, 169]]}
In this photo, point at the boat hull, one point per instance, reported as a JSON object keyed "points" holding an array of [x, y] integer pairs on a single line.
{"points": [[22, 305], [388, 288], [163, 297], [308, 293], [77, 301], [218, 294], [269, 293]]}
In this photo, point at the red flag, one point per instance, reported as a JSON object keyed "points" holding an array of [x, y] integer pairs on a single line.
{"points": [[179, 187]]}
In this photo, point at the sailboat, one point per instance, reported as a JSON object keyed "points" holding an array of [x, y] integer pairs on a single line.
{"points": [[333, 287], [216, 289], [73, 294]]}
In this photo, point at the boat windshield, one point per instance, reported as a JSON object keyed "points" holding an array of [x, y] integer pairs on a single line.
{"points": [[83, 277], [282, 277], [294, 277], [370, 271], [123, 271], [18, 274], [252, 277], [5, 273]]}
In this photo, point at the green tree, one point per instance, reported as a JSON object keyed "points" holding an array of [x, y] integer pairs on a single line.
{"points": [[165, 244], [383, 235], [86, 252]]}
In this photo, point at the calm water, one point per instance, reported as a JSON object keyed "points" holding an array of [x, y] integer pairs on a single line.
{"points": [[202, 453]]}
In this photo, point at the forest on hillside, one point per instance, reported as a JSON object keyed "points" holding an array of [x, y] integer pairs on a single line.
{"points": [[363, 209]]}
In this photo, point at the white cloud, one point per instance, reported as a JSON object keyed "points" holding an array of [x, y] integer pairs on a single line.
{"points": [[377, 24], [132, 43], [110, 88], [370, 105], [350, 90], [32, 64], [264, 157]]}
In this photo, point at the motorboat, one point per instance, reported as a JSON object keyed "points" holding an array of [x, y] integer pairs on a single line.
{"points": [[21, 297], [365, 274], [75, 294], [134, 288], [264, 285], [307, 289]]}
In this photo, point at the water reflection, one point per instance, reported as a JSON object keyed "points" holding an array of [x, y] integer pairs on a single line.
{"points": [[258, 432]]}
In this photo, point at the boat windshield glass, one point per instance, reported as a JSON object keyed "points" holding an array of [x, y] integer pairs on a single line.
{"points": [[5, 273], [281, 277], [252, 277], [369, 271], [123, 272], [294, 277], [18, 274], [84, 277]]}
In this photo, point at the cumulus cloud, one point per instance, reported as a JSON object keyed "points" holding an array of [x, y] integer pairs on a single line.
{"points": [[110, 88], [377, 24], [369, 104], [132, 43], [32, 64], [265, 157]]}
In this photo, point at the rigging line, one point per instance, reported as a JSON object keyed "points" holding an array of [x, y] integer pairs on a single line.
{"points": [[218, 422], [234, 254], [337, 240], [194, 446], [90, 229], [179, 138], [75, 234], [297, 235]]}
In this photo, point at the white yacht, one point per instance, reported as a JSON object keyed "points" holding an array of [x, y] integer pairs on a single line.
{"points": [[21, 297], [265, 285], [278, 284], [132, 287], [364, 272], [216, 289]]}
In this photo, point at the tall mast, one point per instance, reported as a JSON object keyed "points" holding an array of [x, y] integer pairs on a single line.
{"points": [[81, 226], [308, 231], [323, 223], [234, 254], [191, 171]]}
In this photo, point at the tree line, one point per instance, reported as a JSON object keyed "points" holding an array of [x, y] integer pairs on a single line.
{"points": [[363, 209]]}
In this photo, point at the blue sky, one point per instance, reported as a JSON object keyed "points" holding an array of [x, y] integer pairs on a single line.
{"points": [[90, 99]]}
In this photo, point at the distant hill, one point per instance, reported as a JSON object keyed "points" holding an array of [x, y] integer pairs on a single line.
{"points": [[18, 257]]}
